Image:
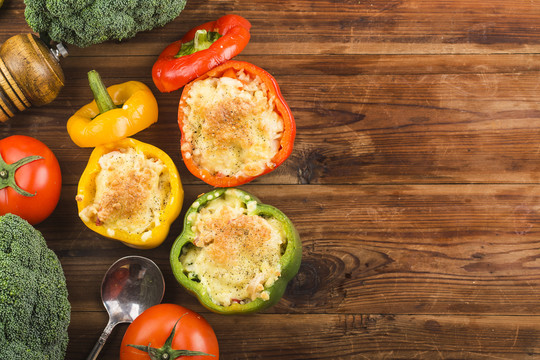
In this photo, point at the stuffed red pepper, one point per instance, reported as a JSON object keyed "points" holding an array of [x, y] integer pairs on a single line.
{"points": [[235, 125]]}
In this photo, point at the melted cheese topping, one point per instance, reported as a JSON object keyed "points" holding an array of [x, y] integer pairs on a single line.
{"points": [[231, 127], [237, 254], [131, 190]]}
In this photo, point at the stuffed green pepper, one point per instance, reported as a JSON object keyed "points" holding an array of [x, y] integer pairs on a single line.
{"points": [[235, 254]]}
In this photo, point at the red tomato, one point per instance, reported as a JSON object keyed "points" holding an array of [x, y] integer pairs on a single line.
{"points": [[41, 177], [155, 325]]}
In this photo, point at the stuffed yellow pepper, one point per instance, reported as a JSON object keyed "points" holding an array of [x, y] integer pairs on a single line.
{"points": [[130, 191]]}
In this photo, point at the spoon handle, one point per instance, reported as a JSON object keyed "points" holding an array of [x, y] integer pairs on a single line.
{"points": [[101, 341]]}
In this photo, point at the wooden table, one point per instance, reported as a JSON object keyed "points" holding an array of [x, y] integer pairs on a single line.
{"points": [[414, 180]]}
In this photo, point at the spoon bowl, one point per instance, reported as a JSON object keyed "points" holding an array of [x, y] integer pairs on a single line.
{"points": [[130, 286]]}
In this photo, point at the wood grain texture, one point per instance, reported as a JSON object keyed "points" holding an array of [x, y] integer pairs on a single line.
{"points": [[385, 249], [414, 181], [359, 336], [31, 69]]}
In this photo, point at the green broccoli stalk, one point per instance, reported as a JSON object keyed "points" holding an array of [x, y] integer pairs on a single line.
{"points": [[34, 307], [87, 22]]}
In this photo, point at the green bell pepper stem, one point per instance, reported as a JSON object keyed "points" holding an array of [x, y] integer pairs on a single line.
{"points": [[203, 40], [290, 260], [7, 173]]}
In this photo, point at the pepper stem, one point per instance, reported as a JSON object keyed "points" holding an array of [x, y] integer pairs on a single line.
{"points": [[202, 41], [7, 173], [103, 99]]}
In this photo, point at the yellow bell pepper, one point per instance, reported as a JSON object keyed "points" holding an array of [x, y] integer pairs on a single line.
{"points": [[119, 197], [117, 112]]}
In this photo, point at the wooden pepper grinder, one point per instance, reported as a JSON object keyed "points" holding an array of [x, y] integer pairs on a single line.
{"points": [[30, 74]]}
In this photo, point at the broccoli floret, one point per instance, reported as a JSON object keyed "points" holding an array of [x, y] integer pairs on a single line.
{"points": [[34, 307], [87, 22]]}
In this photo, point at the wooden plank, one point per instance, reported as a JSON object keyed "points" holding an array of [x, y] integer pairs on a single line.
{"points": [[279, 65], [430, 128], [415, 249], [334, 27], [346, 336]]}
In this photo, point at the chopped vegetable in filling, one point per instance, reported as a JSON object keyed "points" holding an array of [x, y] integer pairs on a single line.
{"points": [[236, 254]]}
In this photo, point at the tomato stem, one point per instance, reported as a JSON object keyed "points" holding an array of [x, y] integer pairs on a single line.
{"points": [[166, 352], [7, 173]]}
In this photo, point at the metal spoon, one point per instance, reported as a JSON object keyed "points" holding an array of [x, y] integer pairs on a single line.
{"points": [[131, 285]]}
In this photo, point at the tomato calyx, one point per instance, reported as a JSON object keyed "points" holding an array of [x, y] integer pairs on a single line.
{"points": [[166, 352], [7, 173]]}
